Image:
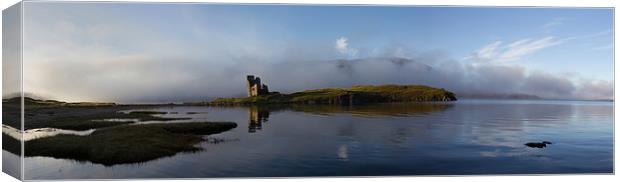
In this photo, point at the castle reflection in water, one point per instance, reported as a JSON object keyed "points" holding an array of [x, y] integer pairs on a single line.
{"points": [[259, 115], [256, 118]]}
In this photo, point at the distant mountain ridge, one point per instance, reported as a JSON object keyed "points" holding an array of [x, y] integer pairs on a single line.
{"points": [[501, 96], [33, 101]]}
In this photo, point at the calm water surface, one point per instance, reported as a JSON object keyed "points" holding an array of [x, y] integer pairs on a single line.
{"points": [[464, 137]]}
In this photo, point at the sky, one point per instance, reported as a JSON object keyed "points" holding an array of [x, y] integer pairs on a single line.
{"points": [[141, 52]]}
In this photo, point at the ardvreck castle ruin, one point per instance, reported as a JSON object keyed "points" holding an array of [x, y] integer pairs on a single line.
{"points": [[255, 88]]}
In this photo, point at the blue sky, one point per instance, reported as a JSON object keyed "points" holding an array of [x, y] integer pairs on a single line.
{"points": [[570, 43], [586, 34]]}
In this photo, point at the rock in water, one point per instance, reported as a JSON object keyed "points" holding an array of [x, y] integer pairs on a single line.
{"points": [[537, 144]]}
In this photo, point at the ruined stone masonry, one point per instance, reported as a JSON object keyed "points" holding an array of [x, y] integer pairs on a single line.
{"points": [[255, 88]]}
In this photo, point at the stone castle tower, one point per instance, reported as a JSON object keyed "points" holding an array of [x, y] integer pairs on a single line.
{"points": [[255, 88]]}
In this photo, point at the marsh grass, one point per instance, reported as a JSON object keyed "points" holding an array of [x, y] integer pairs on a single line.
{"points": [[113, 142], [127, 143]]}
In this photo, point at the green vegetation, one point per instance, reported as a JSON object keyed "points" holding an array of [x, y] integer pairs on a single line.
{"points": [[348, 96], [114, 142], [126, 143]]}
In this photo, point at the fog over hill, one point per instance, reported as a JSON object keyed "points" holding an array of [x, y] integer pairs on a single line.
{"points": [[463, 79], [157, 82]]}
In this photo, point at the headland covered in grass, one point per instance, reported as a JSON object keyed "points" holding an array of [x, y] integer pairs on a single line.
{"points": [[364, 94]]}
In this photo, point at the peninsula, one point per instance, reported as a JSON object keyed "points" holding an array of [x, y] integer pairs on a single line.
{"points": [[363, 94]]}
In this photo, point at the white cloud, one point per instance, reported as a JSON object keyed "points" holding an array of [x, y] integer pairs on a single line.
{"points": [[342, 46], [604, 47], [487, 52], [601, 34], [525, 47], [550, 26], [497, 52]]}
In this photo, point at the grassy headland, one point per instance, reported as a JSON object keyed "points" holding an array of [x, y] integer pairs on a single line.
{"points": [[347, 96]]}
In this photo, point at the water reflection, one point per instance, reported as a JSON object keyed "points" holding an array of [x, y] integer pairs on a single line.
{"points": [[259, 115], [464, 137], [375, 110], [370, 110], [256, 118], [343, 153]]}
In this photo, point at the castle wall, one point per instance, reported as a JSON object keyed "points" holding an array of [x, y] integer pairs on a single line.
{"points": [[254, 86]]}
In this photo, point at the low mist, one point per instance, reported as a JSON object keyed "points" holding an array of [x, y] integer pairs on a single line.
{"points": [[150, 81]]}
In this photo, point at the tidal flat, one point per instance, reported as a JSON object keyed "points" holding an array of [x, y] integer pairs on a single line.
{"points": [[113, 133], [75, 116]]}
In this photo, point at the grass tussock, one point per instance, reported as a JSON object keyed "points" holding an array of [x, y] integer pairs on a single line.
{"points": [[127, 143]]}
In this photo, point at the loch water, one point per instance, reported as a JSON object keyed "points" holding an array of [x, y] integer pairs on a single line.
{"points": [[466, 137]]}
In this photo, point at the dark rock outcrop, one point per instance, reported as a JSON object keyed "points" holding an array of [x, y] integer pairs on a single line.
{"points": [[542, 144]]}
